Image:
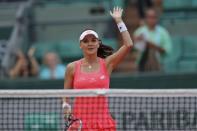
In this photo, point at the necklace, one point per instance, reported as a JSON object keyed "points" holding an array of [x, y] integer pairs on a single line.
{"points": [[89, 66]]}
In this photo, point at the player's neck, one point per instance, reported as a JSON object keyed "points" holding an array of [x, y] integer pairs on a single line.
{"points": [[91, 59], [151, 28]]}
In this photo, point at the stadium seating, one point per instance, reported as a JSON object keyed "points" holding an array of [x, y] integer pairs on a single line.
{"points": [[111, 42], [63, 12], [175, 25], [7, 14], [68, 50], [64, 21], [171, 62], [57, 29], [187, 60], [183, 57], [58, 25], [42, 48], [7, 19], [194, 3], [190, 47], [187, 65], [180, 18], [177, 4], [62, 24], [5, 32], [3, 46]]}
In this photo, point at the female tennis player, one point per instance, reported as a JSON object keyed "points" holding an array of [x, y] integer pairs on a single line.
{"points": [[93, 72]]}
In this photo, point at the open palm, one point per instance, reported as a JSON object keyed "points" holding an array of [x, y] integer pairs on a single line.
{"points": [[116, 13]]}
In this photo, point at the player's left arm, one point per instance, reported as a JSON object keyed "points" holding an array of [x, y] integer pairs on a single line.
{"points": [[113, 60]]}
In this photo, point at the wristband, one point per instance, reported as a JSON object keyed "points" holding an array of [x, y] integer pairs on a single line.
{"points": [[66, 106], [122, 27]]}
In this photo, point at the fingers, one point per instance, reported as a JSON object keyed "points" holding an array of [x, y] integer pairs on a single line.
{"points": [[114, 10], [117, 9], [111, 13], [117, 14], [31, 52], [121, 10]]}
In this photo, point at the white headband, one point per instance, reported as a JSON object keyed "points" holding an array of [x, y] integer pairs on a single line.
{"points": [[88, 32]]}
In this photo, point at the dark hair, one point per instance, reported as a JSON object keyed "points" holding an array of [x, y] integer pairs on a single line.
{"points": [[104, 50]]}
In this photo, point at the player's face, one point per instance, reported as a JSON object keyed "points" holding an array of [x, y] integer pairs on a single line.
{"points": [[89, 44]]}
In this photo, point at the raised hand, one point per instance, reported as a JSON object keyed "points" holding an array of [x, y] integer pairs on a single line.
{"points": [[31, 52], [117, 14]]}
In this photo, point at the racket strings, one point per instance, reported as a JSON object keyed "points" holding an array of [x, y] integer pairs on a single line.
{"points": [[70, 120]]}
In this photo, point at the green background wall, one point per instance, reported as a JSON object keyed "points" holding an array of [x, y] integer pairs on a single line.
{"points": [[135, 81]]}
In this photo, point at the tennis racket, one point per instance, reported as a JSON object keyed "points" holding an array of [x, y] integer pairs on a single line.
{"points": [[72, 124]]}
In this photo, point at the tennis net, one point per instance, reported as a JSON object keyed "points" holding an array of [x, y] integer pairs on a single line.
{"points": [[131, 110]]}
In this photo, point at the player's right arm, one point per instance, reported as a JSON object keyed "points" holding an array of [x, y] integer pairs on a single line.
{"points": [[69, 75], [68, 84], [68, 79]]}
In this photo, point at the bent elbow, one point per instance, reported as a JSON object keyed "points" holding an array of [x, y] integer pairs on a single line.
{"points": [[129, 46]]}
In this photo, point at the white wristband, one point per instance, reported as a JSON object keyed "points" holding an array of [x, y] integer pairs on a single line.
{"points": [[66, 106], [122, 27]]}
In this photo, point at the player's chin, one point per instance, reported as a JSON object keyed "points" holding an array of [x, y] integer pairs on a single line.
{"points": [[91, 52]]}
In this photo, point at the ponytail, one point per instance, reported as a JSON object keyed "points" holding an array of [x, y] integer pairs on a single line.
{"points": [[104, 50]]}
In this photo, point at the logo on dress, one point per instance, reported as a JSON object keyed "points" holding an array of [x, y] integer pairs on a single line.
{"points": [[92, 79], [102, 77]]}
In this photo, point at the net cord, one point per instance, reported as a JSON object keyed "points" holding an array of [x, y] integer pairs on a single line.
{"points": [[98, 92]]}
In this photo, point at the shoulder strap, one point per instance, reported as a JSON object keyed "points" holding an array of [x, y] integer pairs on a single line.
{"points": [[77, 67]]}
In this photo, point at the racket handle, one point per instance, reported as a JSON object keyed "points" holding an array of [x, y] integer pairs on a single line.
{"points": [[66, 106], [67, 109]]}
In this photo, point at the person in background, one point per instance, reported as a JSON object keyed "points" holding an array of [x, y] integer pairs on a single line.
{"points": [[26, 66], [139, 6], [153, 42], [53, 69], [143, 5]]}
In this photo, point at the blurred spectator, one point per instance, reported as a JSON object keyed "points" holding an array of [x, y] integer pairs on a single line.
{"points": [[131, 18], [52, 69], [158, 6], [26, 66], [142, 5], [153, 42]]}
